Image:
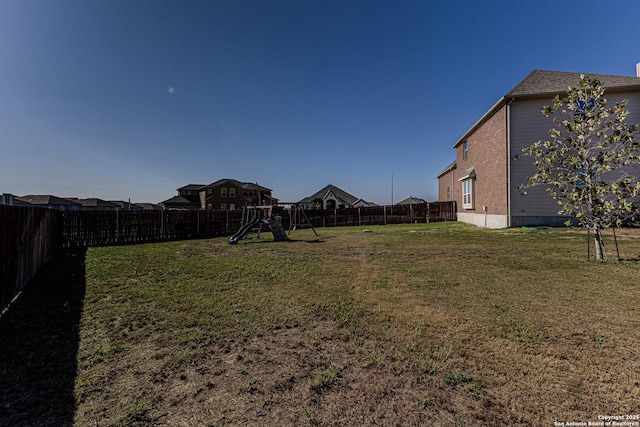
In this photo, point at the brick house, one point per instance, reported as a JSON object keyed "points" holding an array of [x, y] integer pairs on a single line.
{"points": [[489, 166], [223, 194]]}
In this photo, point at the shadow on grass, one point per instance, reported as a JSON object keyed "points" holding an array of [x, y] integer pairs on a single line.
{"points": [[39, 345]]}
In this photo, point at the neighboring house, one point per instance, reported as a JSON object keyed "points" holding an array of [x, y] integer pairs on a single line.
{"points": [[49, 202], [411, 201], [149, 206], [8, 199], [188, 198], [95, 204], [332, 197], [223, 194], [127, 206], [489, 165], [232, 194], [360, 203]]}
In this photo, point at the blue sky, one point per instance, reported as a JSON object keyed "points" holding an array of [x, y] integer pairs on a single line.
{"points": [[130, 99]]}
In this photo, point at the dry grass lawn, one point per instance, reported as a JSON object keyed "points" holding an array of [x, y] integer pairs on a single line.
{"points": [[425, 324]]}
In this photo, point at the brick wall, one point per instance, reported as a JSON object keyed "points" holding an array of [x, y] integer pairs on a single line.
{"points": [[447, 186], [487, 154]]}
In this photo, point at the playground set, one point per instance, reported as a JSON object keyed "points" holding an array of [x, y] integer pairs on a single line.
{"points": [[258, 217]]}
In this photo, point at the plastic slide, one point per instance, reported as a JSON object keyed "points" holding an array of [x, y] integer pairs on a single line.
{"points": [[244, 230]]}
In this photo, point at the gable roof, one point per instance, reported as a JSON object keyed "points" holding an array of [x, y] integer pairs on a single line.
{"points": [[191, 187], [340, 194], [45, 199], [94, 202], [550, 83], [362, 202], [412, 201], [449, 168], [244, 185], [178, 200], [540, 82], [149, 206]]}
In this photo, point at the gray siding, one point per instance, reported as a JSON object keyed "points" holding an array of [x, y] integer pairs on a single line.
{"points": [[529, 126]]}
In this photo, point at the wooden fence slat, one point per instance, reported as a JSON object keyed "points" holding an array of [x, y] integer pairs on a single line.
{"points": [[29, 237], [86, 228]]}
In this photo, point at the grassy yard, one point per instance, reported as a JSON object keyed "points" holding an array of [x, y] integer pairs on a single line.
{"points": [[426, 324]]}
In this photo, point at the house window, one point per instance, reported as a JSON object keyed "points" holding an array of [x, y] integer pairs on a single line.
{"points": [[209, 191], [209, 206], [467, 193], [448, 193], [232, 206], [232, 192], [223, 206], [468, 198], [223, 192], [465, 149]]}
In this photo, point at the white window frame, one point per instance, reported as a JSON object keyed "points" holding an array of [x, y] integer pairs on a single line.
{"points": [[223, 192], [223, 206], [468, 189], [467, 193], [232, 193]]}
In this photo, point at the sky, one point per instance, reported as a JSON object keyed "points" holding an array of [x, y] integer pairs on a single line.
{"points": [[121, 99]]}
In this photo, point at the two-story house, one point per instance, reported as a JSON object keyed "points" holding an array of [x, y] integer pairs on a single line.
{"points": [[223, 194], [489, 165]]}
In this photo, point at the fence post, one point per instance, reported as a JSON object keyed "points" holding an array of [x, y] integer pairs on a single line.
{"points": [[198, 222], [384, 215], [428, 212], [162, 224], [359, 217]]}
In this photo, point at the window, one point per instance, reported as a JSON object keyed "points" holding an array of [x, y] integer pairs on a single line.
{"points": [[468, 199], [448, 193], [232, 192], [209, 191], [223, 192], [465, 150], [467, 193], [209, 206], [223, 206], [232, 206]]}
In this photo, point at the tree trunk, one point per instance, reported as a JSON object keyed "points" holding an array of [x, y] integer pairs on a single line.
{"points": [[599, 244]]}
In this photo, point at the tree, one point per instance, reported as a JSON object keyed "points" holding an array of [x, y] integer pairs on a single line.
{"points": [[588, 164]]}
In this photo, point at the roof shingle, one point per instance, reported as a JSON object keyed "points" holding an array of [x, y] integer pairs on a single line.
{"points": [[540, 82]]}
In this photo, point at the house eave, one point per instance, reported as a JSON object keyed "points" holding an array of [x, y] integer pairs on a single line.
{"points": [[448, 169], [501, 102]]}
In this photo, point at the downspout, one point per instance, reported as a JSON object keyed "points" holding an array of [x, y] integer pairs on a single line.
{"points": [[508, 138]]}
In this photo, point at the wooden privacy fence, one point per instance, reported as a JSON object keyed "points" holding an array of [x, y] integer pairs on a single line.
{"points": [[377, 215], [29, 237], [98, 228]]}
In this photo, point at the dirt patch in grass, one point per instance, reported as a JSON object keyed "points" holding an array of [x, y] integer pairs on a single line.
{"points": [[437, 324]]}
